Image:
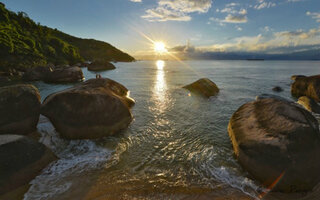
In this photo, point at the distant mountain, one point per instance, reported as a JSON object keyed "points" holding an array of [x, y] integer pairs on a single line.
{"points": [[302, 55], [24, 44]]}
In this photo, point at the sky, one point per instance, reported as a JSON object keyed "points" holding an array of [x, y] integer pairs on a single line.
{"points": [[263, 26]]}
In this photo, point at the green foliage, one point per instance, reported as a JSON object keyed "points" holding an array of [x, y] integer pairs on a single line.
{"points": [[24, 44]]}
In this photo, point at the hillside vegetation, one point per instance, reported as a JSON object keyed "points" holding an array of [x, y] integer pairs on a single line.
{"points": [[25, 44]]}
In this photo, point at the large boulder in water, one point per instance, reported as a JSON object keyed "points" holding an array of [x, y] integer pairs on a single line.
{"points": [[21, 160], [278, 143], [37, 73], [93, 109], [64, 75], [101, 66], [19, 109], [309, 104], [307, 86], [204, 87]]}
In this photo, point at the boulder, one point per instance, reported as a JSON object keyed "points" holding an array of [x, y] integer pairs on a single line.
{"points": [[277, 89], [93, 109], [307, 86], [21, 160], [309, 104], [294, 77], [101, 66], [64, 75], [4, 79], [278, 143], [37, 73], [19, 109], [204, 87]]}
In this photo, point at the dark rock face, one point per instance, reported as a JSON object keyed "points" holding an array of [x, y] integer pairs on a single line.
{"points": [[21, 160], [204, 87], [37, 73], [277, 142], [101, 66], [309, 104], [277, 89], [307, 86], [4, 79], [93, 109], [294, 77], [64, 75], [19, 109]]}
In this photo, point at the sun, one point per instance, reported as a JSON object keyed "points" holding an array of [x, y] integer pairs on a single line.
{"points": [[159, 47]]}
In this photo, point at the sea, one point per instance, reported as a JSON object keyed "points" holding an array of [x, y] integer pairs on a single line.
{"points": [[177, 146]]}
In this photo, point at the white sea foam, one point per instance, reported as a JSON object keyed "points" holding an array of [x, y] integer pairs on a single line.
{"points": [[75, 157]]}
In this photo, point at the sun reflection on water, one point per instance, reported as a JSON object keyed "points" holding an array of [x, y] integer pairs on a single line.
{"points": [[160, 86]]}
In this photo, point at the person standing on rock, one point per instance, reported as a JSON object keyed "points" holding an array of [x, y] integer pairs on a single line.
{"points": [[98, 76]]}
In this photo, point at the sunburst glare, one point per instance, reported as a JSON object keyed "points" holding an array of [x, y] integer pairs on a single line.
{"points": [[159, 47]]}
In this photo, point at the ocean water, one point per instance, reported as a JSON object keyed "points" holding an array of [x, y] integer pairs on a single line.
{"points": [[177, 147]]}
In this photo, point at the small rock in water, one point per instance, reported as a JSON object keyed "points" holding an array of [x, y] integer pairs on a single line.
{"points": [[204, 87], [101, 66], [277, 89], [309, 104], [277, 142], [64, 75]]}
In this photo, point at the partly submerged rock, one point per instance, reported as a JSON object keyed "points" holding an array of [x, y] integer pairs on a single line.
{"points": [[21, 160], [307, 86], [277, 142], [309, 104], [294, 77], [101, 66], [37, 73], [277, 89], [93, 109], [64, 75], [204, 87], [19, 109]]}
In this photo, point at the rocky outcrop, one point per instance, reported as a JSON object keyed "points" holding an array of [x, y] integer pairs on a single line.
{"points": [[19, 109], [37, 73], [307, 86], [277, 142], [64, 75], [294, 77], [277, 89], [93, 109], [101, 66], [203, 87], [309, 104], [21, 160]]}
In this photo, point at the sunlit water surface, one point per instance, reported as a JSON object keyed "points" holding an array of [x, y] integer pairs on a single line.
{"points": [[177, 147]]}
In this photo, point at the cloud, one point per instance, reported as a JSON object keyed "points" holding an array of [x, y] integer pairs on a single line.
{"points": [[286, 41], [299, 34], [314, 15], [137, 1], [177, 10], [235, 19], [161, 14], [263, 4]]}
